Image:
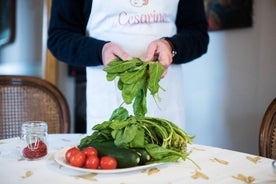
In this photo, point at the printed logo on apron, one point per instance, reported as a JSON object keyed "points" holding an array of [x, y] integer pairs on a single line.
{"points": [[139, 3]]}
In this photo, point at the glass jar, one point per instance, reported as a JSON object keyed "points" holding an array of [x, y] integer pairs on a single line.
{"points": [[34, 139]]}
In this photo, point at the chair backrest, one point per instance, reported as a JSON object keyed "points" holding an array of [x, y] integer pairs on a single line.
{"points": [[27, 98], [267, 136]]}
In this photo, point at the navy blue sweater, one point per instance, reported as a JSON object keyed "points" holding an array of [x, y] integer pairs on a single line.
{"points": [[68, 42]]}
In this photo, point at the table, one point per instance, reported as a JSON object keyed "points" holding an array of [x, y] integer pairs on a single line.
{"points": [[217, 166]]}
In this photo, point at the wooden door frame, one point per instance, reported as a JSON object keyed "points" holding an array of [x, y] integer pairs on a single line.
{"points": [[49, 65]]}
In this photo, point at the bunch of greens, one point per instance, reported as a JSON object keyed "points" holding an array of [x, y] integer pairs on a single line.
{"points": [[162, 139], [136, 77]]}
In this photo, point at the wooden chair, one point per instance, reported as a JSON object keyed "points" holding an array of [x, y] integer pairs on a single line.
{"points": [[26, 98], [267, 135]]}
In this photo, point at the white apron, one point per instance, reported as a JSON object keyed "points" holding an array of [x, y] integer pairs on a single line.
{"points": [[133, 24]]}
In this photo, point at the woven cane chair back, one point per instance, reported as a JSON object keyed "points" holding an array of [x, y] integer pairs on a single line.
{"points": [[26, 98]]}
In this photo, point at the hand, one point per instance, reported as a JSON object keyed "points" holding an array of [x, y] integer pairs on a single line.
{"points": [[112, 51], [160, 49]]}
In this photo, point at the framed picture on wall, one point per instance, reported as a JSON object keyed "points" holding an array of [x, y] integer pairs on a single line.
{"points": [[228, 14], [7, 21]]}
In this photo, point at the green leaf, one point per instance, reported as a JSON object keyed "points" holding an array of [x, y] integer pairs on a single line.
{"points": [[156, 70], [122, 67], [111, 76], [139, 139], [120, 84], [157, 152], [169, 158], [131, 77], [128, 93], [115, 62], [114, 133], [102, 126], [84, 142], [118, 141], [119, 124], [129, 133], [119, 114], [140, 104]]}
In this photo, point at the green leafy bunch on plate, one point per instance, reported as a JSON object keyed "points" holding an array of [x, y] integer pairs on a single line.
{"points": [[161, 139]]}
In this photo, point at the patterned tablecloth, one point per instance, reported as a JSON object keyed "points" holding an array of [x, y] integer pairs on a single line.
{"points": [[216, 166]]}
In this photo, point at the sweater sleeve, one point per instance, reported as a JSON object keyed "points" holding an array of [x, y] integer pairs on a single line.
{"points": [[191, 40], [67, 38]]}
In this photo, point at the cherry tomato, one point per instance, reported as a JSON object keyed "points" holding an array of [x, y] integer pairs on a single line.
{"points": [[90, 151], [108, 162], [78, 159], [71, 152], [92, 162]]}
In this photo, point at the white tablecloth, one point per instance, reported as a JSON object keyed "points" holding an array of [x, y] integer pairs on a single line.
{"points": [[217, 166]]}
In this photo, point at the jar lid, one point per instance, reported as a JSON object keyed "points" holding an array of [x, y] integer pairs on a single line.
{"points": [[34, 126]]}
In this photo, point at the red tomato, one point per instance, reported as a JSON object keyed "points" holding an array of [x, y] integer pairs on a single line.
{"points": [[78, 159], [71, 152], [108, 162], [90, 151], [92, 162]]}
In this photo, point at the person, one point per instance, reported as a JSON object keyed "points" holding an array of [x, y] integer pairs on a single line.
{"points": [[91, 33]]}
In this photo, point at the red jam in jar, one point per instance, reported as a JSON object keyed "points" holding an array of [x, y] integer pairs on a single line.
{"points": [[34, 139]]}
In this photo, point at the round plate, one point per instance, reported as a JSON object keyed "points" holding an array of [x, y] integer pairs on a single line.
{"points": [[60, 158]]}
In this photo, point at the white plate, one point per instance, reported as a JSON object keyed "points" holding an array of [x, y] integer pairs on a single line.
{"points": [[60, 158]]}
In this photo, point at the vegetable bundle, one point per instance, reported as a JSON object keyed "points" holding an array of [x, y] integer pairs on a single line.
{"points": [[136, 77], [162, 139]]}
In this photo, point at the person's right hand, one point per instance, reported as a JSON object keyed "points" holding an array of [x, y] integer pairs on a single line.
{"points": [[112, 51]]}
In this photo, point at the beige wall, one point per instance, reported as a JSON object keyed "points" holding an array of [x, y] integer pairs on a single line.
{"points": [[229, 88]]}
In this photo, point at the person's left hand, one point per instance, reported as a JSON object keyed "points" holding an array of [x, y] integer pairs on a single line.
{"points": [[161, 50]]}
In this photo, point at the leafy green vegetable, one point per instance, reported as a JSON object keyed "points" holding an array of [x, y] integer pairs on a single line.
{"points": [[135, 78], [118, 67], [156, 70], [119, 114], [140, 104], [163, 140], [130, 77]]}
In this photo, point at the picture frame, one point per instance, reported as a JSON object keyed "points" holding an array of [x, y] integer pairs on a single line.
{"points": [[228, 14], [7, 21]]}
